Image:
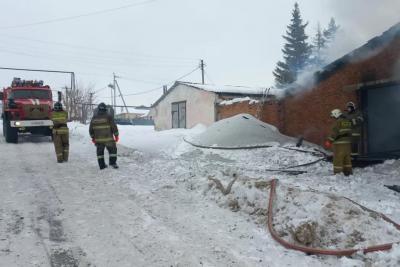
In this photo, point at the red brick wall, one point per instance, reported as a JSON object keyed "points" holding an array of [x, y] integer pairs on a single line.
{"points": [[272, 114], [226, 111], [307, 113]]}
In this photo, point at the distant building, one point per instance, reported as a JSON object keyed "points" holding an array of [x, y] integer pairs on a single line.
{"points": [[136, 116], [186, 104], [133, 114]]}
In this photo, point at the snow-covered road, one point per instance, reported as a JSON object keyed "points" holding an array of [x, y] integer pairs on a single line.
{"points": [[68, 213], [72, 213], [156, 210]]}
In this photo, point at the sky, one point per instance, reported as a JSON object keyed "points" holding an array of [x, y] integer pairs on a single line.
{"points": [[148, 43]]}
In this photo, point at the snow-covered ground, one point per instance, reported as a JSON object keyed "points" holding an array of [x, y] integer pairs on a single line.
{"points": [[162, 207]]}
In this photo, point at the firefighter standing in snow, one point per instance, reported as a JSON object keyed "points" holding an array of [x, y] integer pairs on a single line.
{"points": [[104, 133], [341, 139], [60, 132], [356, 119]]}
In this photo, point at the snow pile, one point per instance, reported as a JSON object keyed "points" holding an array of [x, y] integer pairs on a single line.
{"points": [[324, 220], [239, 100], [143, 138], [242, 130]]}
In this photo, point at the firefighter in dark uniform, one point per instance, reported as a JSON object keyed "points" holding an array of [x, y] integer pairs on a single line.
{"points": [[60, 132], [357, 120], [341, 140], [104, 133]]}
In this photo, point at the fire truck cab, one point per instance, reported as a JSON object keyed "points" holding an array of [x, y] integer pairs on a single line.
{"points": [[27, 107]]}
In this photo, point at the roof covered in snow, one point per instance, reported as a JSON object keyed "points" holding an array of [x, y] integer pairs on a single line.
{"points": [[139, 111], [362, 52], [224, 89], [228, 89]]}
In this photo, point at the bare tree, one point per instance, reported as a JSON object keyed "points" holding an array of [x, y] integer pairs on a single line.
{"points": [[78, 102]]}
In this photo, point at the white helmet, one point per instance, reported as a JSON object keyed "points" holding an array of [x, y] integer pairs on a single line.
{"points": [[351, 104], [336, 113]]}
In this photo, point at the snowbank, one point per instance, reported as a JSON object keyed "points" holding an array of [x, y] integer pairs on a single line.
{"points": [[242, 130], [143, 138], [324, 220]]}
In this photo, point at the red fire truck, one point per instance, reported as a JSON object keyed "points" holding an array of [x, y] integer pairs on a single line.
{"points": [[27, 107]]}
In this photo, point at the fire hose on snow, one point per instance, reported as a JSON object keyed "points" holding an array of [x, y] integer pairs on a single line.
{"points": [[289, 170], [321, 251]]}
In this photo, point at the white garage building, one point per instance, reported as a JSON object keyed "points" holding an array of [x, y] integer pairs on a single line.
{"points": [[186, 104]]}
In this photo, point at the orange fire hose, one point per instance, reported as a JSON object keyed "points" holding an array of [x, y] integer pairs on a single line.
{"points": [[309, 250]]}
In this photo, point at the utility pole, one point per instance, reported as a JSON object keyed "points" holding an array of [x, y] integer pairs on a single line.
{"points": [[114, 88], [66, 100], [113, 91], [123, 100], [202, 70], [91, 103], [122, 97]]}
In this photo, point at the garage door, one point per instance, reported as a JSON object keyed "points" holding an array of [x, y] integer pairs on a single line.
{"points": [[383, 119]]}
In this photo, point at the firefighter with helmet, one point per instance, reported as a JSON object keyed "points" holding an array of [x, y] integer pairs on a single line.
{"points": [[354, 115], [341, 140], [60, 132], [104, 134]]}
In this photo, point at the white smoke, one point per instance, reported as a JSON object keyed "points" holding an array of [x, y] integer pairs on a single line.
{"points": [[360, 21], [306, 80]]}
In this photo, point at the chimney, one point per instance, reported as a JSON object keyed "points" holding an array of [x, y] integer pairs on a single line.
{"points": [[165, 89]]}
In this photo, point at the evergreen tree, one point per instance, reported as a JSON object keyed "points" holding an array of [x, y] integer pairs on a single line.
{"points": [[330, 32], [296, 51], [318, 47]]}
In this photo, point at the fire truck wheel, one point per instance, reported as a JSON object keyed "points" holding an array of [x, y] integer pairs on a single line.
{"points": [[10, 133]]}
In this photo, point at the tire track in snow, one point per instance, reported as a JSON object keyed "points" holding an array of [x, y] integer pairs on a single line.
{"points": [[45, 218]]}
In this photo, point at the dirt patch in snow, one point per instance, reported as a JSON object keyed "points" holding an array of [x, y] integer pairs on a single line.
{"points": [[242, 130], [238, 192], [323, 220]]}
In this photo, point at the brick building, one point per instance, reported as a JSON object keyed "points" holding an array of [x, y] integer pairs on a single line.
{"points": [[369, 76]]}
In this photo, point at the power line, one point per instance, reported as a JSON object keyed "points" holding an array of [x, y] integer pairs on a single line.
{"points": [[77, 16], [88, 58], [145, 92], [73, 46], [97, 62], [99, 90], [208, 77], [160, 87], [138, 80], [186, 74]]}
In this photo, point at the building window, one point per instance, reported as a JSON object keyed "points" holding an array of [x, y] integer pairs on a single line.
{"points": [[178, 113]]}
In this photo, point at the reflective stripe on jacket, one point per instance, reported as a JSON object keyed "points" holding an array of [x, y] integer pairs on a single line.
{"points": [[103, 128], [59, 119], [356, 122], [341, 132], [60, 130]]}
